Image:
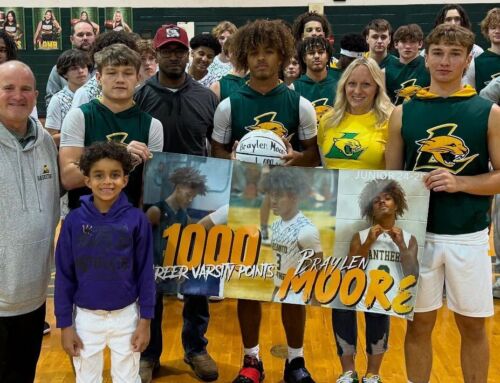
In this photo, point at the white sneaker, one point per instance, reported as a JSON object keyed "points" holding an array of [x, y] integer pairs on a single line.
{"points": [[372, 379], [348, 377]]}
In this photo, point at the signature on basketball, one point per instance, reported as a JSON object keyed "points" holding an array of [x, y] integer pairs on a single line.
{"points": [[262, 145]]}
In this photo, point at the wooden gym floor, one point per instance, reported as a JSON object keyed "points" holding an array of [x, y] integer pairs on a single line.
{"points": [[225, 347]]}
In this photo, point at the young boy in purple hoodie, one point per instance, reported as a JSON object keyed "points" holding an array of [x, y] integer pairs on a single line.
{"points": [[104, 288]]}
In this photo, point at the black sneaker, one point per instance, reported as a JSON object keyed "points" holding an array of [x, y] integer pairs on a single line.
{"points": [[46, 328], [251, 372], [296, 372]]}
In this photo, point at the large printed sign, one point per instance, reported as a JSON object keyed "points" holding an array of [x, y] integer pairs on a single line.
{"points": [[341, 239]]}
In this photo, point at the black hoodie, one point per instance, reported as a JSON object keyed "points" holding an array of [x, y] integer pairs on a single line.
{"points": [[187, 114]]}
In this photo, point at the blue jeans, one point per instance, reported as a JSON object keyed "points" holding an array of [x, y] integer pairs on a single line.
{"points": [[195, 316]]}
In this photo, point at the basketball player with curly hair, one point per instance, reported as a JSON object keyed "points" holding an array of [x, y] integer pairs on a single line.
{"points": [[387, 248], [265, 102], [311, 24]]}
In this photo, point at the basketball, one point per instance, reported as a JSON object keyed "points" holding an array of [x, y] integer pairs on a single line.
{"points": [[261, 147]]}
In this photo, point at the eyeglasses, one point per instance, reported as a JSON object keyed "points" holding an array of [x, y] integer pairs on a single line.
{"points": [[178, 52]]}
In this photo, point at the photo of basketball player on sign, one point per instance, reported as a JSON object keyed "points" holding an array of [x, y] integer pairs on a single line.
{"points": [[386, 246], [292, 232], [380, 223], [301, 224]]}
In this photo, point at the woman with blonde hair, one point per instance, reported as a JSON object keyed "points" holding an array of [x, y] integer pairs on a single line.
{"points": [[119, 24], [353, 136]]}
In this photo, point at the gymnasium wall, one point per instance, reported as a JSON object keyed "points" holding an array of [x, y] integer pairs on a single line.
{"points": [[344, 19]]}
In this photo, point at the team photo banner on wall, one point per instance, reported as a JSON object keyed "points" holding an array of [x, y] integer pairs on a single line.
{"points": [[118, 19], [86, 14], [12, 22], [340, 239], [47, 30]]}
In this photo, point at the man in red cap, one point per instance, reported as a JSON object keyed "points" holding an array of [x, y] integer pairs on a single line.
{"points": [[186, 110]]}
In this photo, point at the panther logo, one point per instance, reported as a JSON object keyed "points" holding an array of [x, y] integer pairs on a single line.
{"points": [[408, 89], [266, 121], [346, 147], [321, 107], [443, 149]]}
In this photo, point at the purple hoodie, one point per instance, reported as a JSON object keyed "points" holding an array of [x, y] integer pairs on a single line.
{"points": [[104, 261]]}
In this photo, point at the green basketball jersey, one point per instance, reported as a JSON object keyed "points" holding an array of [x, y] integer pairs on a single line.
{"points": [[449, 133], [277, 110], [230, 83], [321, 94], [487, 67], [101, 124], [404, 80]]}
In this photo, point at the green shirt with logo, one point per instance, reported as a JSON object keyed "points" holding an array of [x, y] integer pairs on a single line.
{"points": [[101, 124], [321, 93], [449, 133], [277, 110], [404, 80]]}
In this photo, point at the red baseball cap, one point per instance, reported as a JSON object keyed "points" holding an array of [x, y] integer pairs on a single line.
{"points": [[170, 33]]}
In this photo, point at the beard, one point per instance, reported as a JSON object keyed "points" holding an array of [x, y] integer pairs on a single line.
{"points": [[173, 73]]}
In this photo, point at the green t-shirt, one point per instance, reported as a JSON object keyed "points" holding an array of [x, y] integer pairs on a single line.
{"points": [[404, 80], [449, 133], [487, 67], [277, 110]]}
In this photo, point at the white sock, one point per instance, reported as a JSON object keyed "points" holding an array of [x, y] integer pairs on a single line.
{"points": [[253, 351], [294, 353]]}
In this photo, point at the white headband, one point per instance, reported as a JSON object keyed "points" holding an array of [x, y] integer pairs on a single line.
{"points": [[352, 54]]}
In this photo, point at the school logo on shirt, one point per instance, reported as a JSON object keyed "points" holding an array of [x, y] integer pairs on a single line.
{"points": [[346, 147], [321, 107], [443, 150], [119, 137], [408, 89], [266, 122], [46, 174]]}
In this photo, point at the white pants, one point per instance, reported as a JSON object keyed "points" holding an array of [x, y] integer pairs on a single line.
{"points": [[98, 329]]}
